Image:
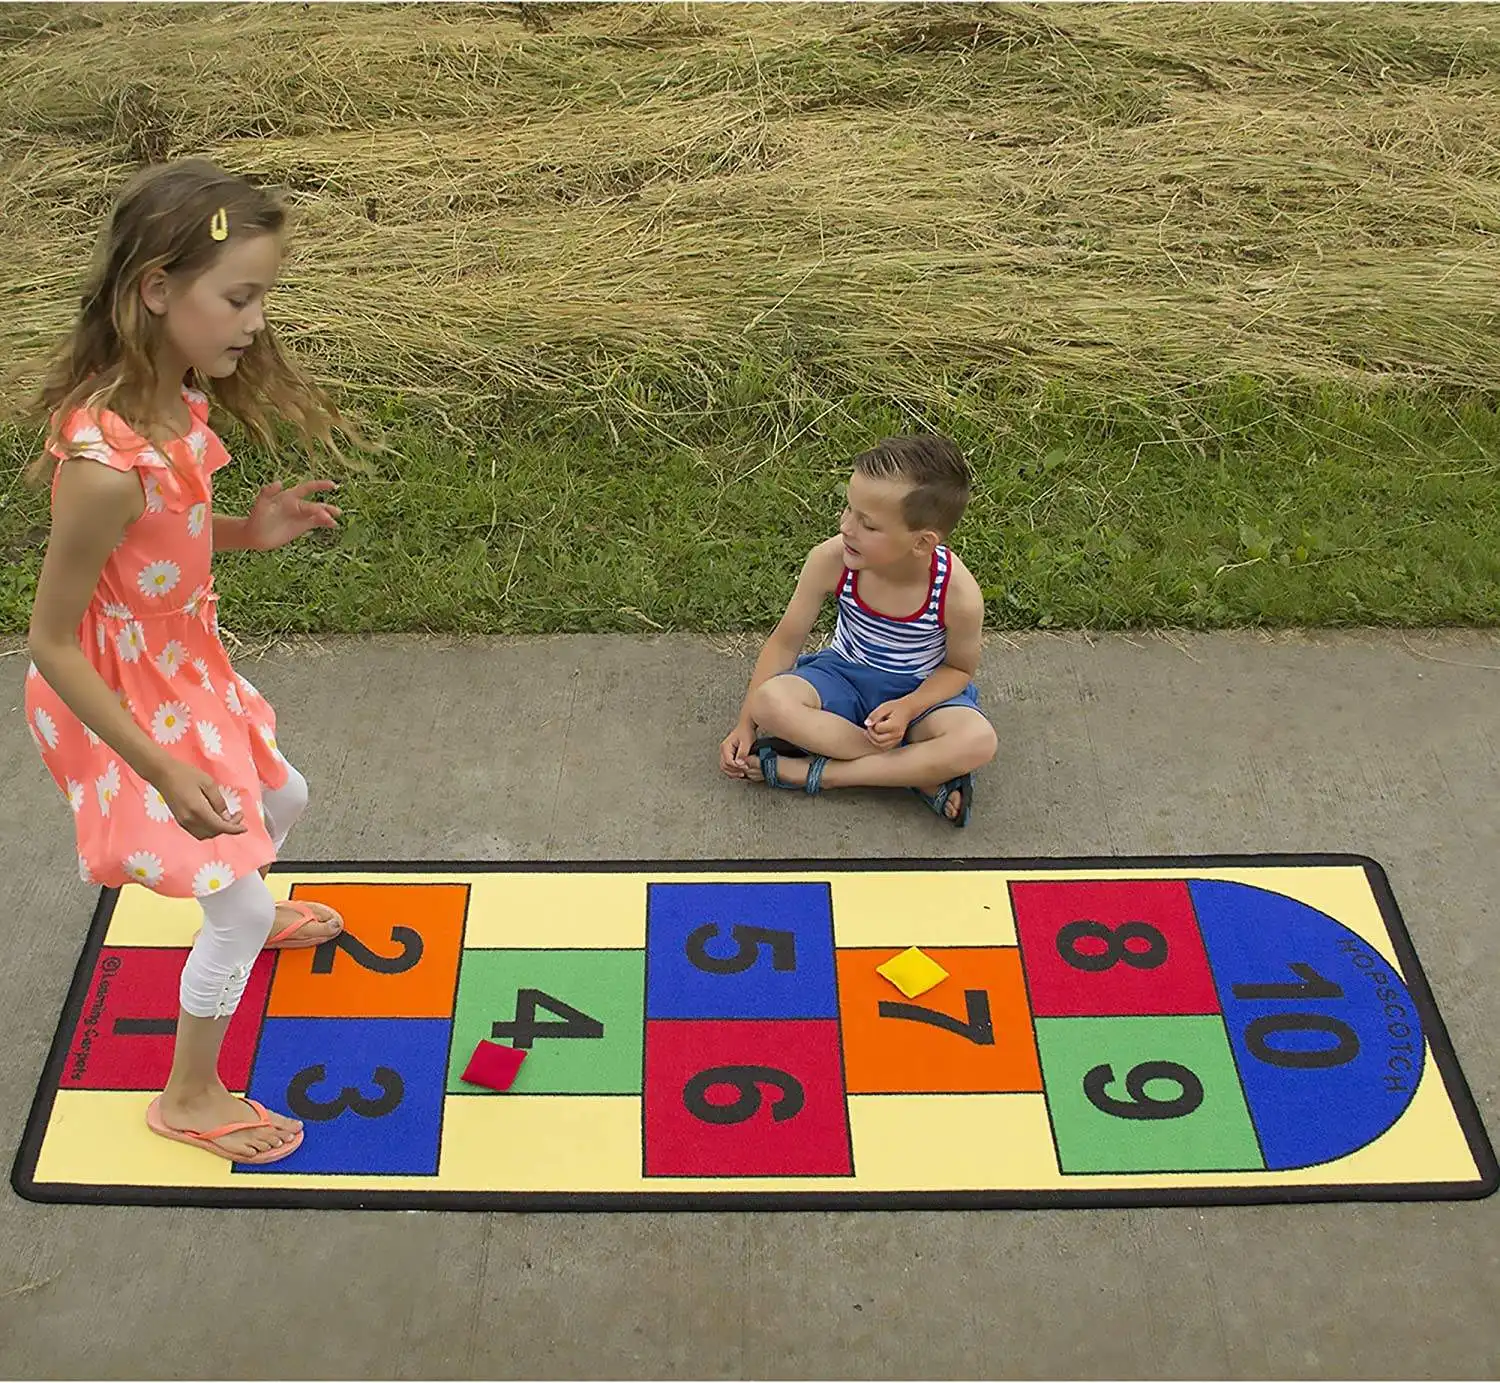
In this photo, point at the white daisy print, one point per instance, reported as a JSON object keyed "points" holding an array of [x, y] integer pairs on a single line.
{"points": [[93, 739], [156, 806], [269, 736], [144, 867], [115, 610], [246, 686], [232, 699], [93, 445], [75, 796], [46, 727], [170, 722], [213, 743], [107, 785], [103, 637], [198, 444], [201, 668], [195, 601], [131, 641], [171, 658], [32, 673], [233, 802], [159, 578], [214, 877], [84, 872], [156, 497], [197, 517]]}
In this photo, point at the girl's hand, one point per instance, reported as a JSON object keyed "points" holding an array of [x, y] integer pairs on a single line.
{"points": [[279, 516], [195, 801]]}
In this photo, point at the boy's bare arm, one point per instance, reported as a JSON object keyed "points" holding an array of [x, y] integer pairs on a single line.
{"points": [[964, 621], [819, 578]]}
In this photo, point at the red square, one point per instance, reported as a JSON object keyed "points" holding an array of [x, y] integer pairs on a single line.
{"points": [[126, 1031], [1112, 948], [493, 1066], [745, 1098]]}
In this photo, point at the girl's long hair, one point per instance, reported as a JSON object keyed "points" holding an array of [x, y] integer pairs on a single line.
{"points": [[166, 218]]}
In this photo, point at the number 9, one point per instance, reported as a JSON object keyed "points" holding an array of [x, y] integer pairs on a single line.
{"points": [[1140, 1105]]}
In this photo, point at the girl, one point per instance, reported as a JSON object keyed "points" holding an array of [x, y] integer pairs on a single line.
{"points": [[167, 757]]}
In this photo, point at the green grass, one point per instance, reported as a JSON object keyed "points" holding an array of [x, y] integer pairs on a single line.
{"points": [[1207, 293], [654, 511]]}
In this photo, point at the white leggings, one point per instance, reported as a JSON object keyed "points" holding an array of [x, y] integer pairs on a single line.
{"points": [[237, 921]]}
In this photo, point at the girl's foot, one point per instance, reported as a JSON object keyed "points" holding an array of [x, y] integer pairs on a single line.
{"points": [[305, 924], [214, 1109]]}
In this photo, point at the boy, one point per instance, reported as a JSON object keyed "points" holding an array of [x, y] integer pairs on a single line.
{"points": [[892, 702]]}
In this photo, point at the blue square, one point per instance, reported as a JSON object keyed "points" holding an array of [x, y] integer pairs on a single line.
{"points": [[743, 950], [368, 1090]]}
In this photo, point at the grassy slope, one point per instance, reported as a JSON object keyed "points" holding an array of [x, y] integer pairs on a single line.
{"points": [[1207, 294]]}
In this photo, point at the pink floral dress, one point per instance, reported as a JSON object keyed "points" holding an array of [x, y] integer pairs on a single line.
{"points": [[152, 632]]}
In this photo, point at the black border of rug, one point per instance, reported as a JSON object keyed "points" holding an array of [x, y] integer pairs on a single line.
{"points": [[24, 1170]]}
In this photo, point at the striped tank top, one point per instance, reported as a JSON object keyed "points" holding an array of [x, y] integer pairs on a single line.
{"points": [[915, 645]]}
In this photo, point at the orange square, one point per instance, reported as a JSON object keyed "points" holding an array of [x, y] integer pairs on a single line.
{"points": [[972, 1034], [397, 958]]}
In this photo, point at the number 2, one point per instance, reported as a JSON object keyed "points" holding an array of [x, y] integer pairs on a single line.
{"points": [[411, 952]]}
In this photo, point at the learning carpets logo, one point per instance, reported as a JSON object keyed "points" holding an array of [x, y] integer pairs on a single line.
{"points": [[1403, 1055], [88, 1032]]}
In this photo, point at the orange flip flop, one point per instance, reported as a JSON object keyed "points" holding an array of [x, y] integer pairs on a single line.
{"points": [[208, 1140], [287, 940]]}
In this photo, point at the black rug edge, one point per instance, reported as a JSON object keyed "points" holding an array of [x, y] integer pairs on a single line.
{"points": [[23, 1169]]}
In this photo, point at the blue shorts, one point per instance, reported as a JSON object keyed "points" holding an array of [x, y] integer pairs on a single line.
{"points": [[853, 690]]}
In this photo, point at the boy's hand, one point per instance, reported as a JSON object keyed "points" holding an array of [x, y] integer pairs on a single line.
{"points": [[735, 748], [885, 727]]}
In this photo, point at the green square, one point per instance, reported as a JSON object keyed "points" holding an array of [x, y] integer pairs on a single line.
{"points": [[604, 987], [1202, 1123]]}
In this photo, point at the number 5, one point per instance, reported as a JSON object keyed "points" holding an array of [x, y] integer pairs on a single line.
{"points": [[747, 942]]}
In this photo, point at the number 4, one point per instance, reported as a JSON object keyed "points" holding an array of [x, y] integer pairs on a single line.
{"points": [[525, 1028]]}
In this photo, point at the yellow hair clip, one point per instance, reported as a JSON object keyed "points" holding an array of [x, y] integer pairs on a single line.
{"points": [[219, 226]]}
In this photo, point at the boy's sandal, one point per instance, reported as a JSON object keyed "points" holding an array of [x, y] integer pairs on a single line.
{"points": [[288, 940], [778, 746], [938, 801], [209, 1139], [816, 764]]}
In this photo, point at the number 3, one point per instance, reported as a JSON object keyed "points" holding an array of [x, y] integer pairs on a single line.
{"points": [[300, 1102]]}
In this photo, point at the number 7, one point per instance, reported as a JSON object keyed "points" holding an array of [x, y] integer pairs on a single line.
{"points": [[978, 1028]]}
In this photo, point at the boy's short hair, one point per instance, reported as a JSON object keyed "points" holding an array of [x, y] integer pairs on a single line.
{"points": [[935, 469]]}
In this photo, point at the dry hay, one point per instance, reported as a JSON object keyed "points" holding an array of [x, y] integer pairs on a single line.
{"points": [[501, 198]]}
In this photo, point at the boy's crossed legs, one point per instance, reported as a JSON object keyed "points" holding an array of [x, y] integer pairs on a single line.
{"points": [[943, 745]]}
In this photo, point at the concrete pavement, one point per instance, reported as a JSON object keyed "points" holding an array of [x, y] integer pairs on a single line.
{"points": [[1385, 745]]}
